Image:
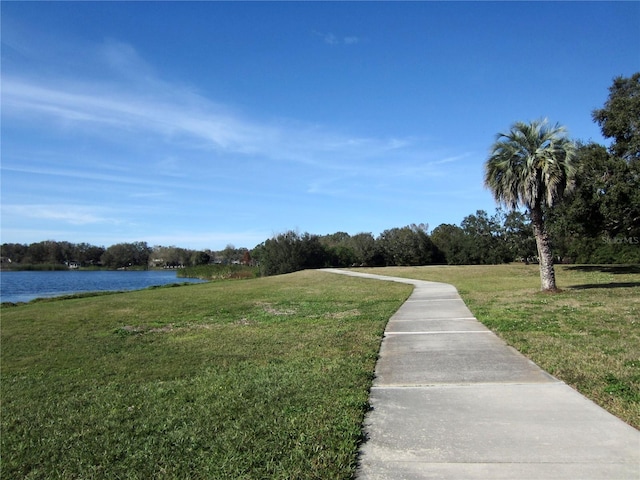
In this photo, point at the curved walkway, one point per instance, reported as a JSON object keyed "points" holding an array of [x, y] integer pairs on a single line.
{"points": [[452, 401]]}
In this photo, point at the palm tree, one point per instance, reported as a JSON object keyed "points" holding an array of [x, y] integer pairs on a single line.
{"points": [[531, 166]]}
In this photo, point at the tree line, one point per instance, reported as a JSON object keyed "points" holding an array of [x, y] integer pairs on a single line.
{"points": [[597, 220], [481, 239], [484, 239], [118, 256]]}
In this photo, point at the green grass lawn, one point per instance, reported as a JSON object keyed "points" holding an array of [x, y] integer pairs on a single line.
{"points": [[264, 378], [588, 335], [269, 377]]}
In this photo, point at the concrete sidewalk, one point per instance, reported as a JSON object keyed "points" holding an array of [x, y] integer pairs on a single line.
{"points": [[452, 401]]}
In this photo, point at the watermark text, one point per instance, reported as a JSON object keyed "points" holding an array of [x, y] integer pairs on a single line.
{"points": [[621, 240]]}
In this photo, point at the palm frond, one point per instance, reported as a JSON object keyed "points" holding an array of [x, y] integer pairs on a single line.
{"points": [[530, 165]]}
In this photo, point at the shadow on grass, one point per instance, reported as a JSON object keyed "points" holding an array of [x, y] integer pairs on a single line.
{"points": [[616, 269], [605, 285]]}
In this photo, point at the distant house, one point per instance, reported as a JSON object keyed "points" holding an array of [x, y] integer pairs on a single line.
{"points": [[157, 262]]}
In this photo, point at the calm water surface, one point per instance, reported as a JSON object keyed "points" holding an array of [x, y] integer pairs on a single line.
{"points": [[25, 286]]}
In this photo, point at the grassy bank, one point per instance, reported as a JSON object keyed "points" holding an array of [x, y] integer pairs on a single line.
{"points": [[264, 378], [219, 272], [588, 335]]}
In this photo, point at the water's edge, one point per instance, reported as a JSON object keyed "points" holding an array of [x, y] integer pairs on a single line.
{"points": [[24, 286]]}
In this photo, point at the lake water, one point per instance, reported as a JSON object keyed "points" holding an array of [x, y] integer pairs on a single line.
{"points": [[25, 286]]}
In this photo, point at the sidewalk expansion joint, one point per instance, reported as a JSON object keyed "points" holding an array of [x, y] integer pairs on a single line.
{"points": [[426, 386], [430, 319], [421, 300], [393, 320], [437, 333]]}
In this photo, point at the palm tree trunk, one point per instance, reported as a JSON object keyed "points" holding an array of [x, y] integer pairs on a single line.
{"points": [[547, 273]]}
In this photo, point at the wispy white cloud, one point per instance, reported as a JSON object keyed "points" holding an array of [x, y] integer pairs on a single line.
{"points": [[161, 142], [88, 175], [70, 214], [154, 194], [143, 187], [331, 39], [428, 169], [89, 106], [141, 105], [187, 120], [122, 58]]}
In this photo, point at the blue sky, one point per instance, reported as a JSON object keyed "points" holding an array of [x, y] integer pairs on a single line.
{"points": [[209, 123]]}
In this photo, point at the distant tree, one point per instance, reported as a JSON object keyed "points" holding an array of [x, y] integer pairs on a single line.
{"points": [[335, 239], [14, 252], [451, 241], [483, 239], [43, 252], [484, 243], [199, 258], [532, 166], [53, 252], [339, 249], [408, 245], [88, 254], [123, 255], [620, 117], [290, 252], [229, 253], [518, 236], [365, 250], [162, 256]]}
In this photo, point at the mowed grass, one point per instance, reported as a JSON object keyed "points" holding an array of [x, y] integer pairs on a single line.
{"points": [[588, 335], [252, 379], [269, 378]]}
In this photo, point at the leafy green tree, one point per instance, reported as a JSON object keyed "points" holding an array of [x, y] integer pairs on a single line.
{"points": [[518, 236], [124, 255], [53, 252], [532, 166], [13, 252], [229, 254], [88, 254], [290, 252], [339, 249], [484, 242], [408, 245], [365, 250], [481, 239], [620, 117], [199, 258], [599, 222], [335, 239], [48, 251], [451, 241]]}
